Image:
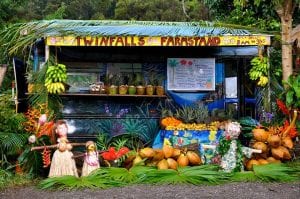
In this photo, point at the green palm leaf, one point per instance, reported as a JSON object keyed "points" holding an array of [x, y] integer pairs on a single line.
{"points": [[276, 172], [12, 142]]}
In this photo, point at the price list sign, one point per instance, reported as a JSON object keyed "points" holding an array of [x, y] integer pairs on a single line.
{"points": [[191, 74]]}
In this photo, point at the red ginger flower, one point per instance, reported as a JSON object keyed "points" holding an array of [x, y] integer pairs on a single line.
{"points": [[282, 107]]}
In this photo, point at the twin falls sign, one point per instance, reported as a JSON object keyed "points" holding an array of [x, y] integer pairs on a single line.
{"points": [[244, 40]]}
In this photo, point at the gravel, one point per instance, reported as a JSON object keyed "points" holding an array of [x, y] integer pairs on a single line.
{"points": [[230, 190]]}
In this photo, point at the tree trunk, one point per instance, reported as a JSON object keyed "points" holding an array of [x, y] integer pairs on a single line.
{"points": [[285, 12], [3, 69]]}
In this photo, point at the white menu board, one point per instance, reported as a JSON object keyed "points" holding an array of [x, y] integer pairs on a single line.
{"points": [[191, 74]]}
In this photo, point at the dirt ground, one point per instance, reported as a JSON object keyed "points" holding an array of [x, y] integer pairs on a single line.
{"points": [[231, 190]]}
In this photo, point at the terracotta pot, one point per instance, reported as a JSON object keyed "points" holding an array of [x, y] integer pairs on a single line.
{"points": [[160, 90], [149, 90], [140, 90], [131, 90]]}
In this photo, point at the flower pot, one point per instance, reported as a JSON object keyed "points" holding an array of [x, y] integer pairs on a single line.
{"points": [[123, 89], [113, 90], [149, 90], [131, 90], [140, 90], [160, 90]]}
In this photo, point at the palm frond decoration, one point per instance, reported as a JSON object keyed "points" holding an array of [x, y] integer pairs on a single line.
{"points": [[276, 172], [18, 36], [245, 176], [205, 174]]}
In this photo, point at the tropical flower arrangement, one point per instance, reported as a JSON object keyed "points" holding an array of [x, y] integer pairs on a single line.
{"points": [[39, 126]]}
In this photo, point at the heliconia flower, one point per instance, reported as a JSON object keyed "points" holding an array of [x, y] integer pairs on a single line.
{"points": [[282, 107], [42, 119], [32, 139]]}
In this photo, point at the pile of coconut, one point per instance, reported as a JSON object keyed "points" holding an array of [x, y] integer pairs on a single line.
{"points": [[166, 158], [275, 147]]}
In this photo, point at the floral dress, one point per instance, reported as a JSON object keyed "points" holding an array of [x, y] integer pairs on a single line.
{"points": [[91, 163]]}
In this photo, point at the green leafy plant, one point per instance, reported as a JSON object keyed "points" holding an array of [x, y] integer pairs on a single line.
{"points": [[185, 114], [292, 92], [201, 113], [12, 135]]}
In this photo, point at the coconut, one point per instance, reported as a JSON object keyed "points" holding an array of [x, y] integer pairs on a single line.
{"points": [[250, 163], [277, 153], [147, 152], [159, 154], [183, 160], [260, 135], [274, 141], [261, 146], [137, 160], [172, 163], [273, 160], [286, 153], [163, 164], [176, 153], [168, 151], [194, 158], [262, 161], [287, 142]]}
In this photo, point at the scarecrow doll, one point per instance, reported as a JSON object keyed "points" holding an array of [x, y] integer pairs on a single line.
{"points": [[62, 162]]}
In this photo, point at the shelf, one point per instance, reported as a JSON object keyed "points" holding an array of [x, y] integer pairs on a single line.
{"points": [[109, 95]]}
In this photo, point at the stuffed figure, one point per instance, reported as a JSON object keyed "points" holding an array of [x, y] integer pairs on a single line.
{"points": [[91, 159], [62, 162], [230, 150]]}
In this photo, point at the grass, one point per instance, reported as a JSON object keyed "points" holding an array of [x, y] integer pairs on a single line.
{"points": [[9, 179]]}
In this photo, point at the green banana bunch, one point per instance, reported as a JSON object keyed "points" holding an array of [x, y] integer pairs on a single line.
{"points": [[259, 70], [56, 74]]}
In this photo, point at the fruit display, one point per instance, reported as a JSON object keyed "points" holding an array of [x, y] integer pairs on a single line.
{"points": [[275, 145], [259, 70], [167, 158], [56, 76], [213, 126]]}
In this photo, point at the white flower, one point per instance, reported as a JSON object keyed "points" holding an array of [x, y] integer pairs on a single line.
{"points": [[32, 139]]}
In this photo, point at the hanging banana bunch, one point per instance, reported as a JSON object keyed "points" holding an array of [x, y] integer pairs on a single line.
{"points": [[56, 76], [259, 70]]}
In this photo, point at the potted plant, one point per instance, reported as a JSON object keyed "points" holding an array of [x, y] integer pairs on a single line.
{"points": [[132, 84], [159, 88], [140, 88], [113, 84], [150, 87], [123, 88]]}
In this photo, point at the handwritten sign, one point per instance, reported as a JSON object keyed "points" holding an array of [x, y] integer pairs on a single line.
{"points": [[191, 74], [242, 40]]}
